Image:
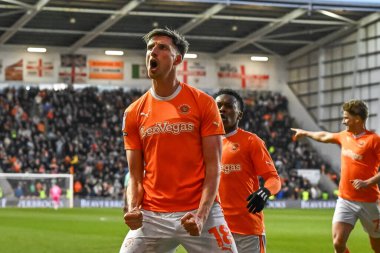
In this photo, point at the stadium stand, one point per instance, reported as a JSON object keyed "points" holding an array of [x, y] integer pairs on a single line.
{"points": [[78, 131]]}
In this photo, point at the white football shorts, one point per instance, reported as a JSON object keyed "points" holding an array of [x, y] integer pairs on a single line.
{"points": [[163, 233], [368, 212], [250, 243]]}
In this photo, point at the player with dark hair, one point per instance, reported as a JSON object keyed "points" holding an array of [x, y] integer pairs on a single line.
{"points": [[358, 189], [179, 42], [244, 159], [172, 136]]}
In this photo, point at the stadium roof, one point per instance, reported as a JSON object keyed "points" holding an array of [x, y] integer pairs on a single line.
{"points": [[279, 27]]}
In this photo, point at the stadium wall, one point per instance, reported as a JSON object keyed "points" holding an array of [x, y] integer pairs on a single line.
{"points": [[322, 80], [345, 69], [91, 66]]}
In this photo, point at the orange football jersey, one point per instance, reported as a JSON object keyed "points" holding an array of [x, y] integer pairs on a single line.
{"points": [[244, 158], [169, 131], [360, 159]]}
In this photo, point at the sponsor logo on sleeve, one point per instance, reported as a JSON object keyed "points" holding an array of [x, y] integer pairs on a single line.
{"points": [[144, 114], [216, 123]]}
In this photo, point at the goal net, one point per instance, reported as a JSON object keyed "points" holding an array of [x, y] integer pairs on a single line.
{"points": [[34, 190]]}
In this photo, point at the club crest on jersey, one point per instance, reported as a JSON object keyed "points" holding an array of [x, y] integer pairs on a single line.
{"points": [[234, 147], [184, 109]]}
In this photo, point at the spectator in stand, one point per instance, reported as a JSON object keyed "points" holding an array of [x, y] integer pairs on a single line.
{"points": [[77, 187], [71, 131], [19, 192], [56, 125]]}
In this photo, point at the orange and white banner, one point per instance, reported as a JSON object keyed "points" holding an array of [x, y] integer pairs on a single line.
{"points": [[13, 72], [113, 70]]}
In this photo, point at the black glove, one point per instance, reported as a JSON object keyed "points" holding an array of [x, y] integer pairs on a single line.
{"points": [[257, 200]]}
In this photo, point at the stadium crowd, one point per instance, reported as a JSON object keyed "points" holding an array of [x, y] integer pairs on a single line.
{"points": [[78, 131]]}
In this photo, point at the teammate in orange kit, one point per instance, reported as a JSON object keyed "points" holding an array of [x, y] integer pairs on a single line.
{"points": [[172, 137], [244, 159], [358, 189]]}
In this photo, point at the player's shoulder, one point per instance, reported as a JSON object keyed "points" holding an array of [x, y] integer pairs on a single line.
{"points": [[373, 135], [243, 134], [198, 94], [247, 133], [343, 133]]}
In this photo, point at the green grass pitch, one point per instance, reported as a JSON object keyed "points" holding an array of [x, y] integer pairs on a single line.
{"points": [[102, 230]]}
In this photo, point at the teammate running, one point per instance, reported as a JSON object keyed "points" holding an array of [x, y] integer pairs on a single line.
{"points": [[358, 189]]}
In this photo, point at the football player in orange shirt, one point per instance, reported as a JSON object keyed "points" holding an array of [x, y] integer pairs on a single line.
{"points": [[358, 189], [244, 159], [172, 136]]}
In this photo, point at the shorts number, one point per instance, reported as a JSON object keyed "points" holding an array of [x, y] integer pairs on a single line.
{"points": [[222, 235]]}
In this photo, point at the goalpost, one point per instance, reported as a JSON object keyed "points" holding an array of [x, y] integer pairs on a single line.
{"points": [[32, 189]]}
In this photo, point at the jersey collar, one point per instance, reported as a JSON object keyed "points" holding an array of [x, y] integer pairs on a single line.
{"points": [[231, 133], [175, 93], [359, 135]]}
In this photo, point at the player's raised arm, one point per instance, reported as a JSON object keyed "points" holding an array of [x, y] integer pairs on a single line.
{"points": [[135, 190], [321, 136]]}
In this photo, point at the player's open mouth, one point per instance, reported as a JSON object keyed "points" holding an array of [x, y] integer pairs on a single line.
{"points": [[223, 117], [153, 64]]}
